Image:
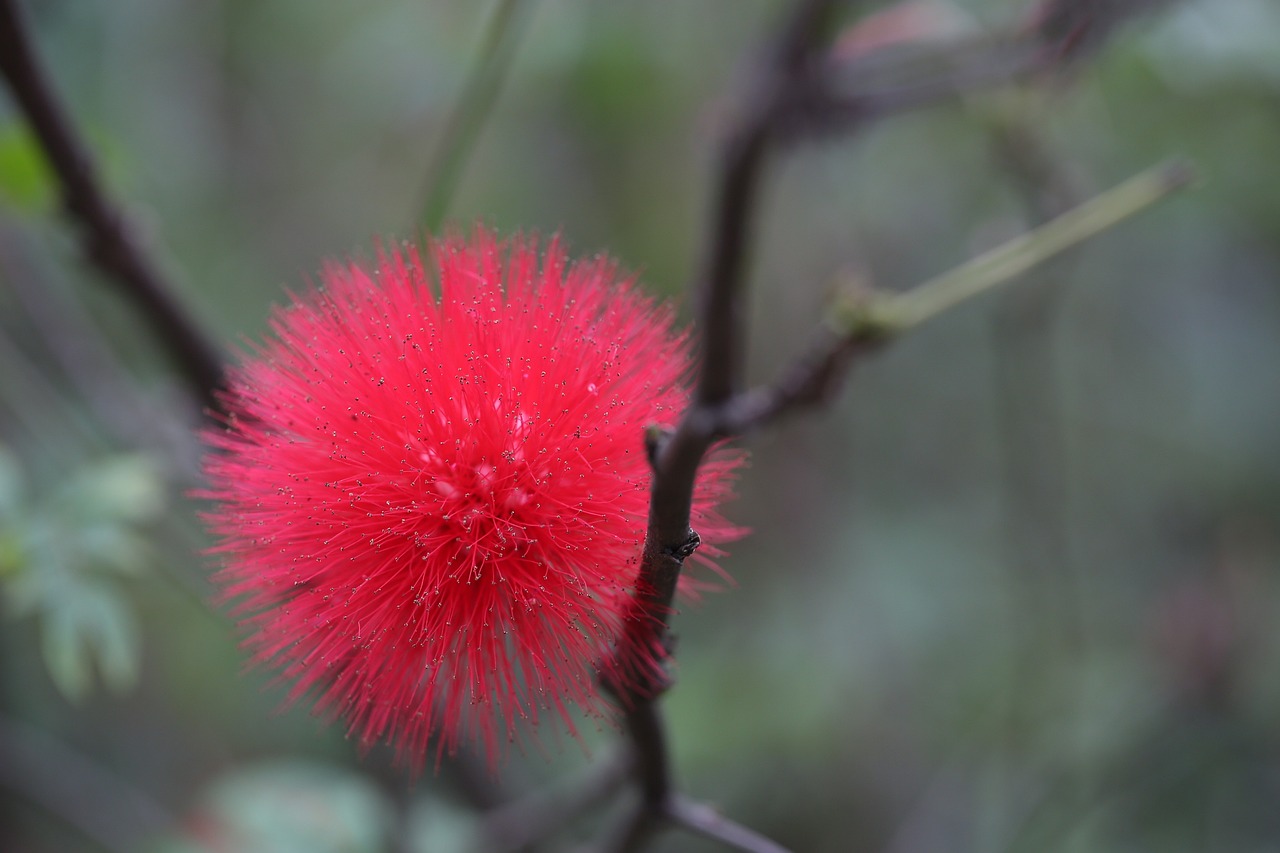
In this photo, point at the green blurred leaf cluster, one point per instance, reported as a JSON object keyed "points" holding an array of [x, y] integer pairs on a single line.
{"points": [[309, 807], [26, 184], [63, 557]]}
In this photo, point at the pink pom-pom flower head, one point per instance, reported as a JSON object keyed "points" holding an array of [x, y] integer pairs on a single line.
{"points": [[431, 487]]}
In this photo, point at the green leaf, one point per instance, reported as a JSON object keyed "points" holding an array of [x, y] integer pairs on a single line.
{"points": [[26, 183], [40, 575], [65, 654], [127, 487], [299, 807], [11, 554], [91, 625], [114, 547]]}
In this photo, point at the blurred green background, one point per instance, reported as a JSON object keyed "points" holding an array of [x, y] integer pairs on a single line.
{"points": [[1017, 589]]}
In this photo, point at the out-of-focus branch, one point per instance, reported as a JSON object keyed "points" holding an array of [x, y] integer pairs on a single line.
{"points": [[1072, 29], [704, 820], [869, 319], [638, 824], [101, 806], [85, 358], [475, 102], [111, 245], [851, 90], [940, 294], [539, 815]]}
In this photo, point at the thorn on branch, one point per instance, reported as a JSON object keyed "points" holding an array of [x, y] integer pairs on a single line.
{"points": [[686, 548]]}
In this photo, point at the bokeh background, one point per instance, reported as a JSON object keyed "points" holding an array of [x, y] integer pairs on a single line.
{"points": [[1016, 589]]}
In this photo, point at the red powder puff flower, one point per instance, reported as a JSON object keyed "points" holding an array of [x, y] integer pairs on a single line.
{"points": [[432, 487]]}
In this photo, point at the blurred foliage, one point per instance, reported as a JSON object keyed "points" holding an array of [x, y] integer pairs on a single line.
{"points": [[290, 808], [25, 181], [1016, 590], [61, 560]]}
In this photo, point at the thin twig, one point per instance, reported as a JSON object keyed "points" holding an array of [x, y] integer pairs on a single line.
{"points": [[704, 820], [848, 92], [811, 381], [940, 294], [475, 101], [669, 539], [870, 320], [111, 244], [849, 98]]}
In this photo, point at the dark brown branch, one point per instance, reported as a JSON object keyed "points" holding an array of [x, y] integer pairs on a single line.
{"points": [[110, 243], [721, 319], [791, 82], [647, 731], [743, 157], [669, 539], [812, 381]]}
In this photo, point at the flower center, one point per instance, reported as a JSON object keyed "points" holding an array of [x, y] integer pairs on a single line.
{"points": [[474, 515]]}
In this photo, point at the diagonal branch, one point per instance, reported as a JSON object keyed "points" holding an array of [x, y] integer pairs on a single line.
{"points": [[869, 320], [111, 244], [704, 820]]}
